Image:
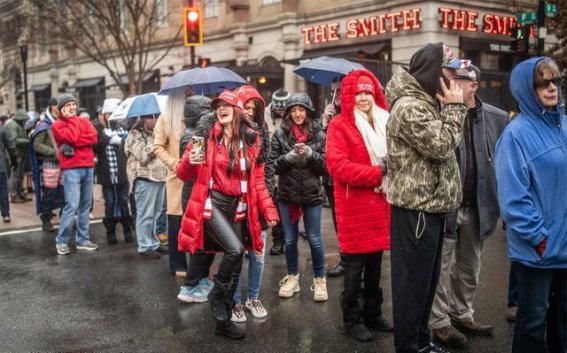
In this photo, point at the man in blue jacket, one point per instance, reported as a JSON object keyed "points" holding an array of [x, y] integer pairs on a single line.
{"points": [[452, 313], [531, 167]]}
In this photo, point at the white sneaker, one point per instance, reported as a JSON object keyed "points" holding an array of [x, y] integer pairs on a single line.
{"points": [[87, 245], [62, 249], [289, 285], [319, 289], [238, 314], [256, 308]]}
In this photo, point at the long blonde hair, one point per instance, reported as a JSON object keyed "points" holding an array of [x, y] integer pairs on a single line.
{"points": [[173, 114]]}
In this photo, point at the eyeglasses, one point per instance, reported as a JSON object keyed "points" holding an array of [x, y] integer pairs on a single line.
{"points": [[544, 83]]}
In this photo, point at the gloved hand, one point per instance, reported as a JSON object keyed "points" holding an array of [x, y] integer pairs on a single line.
{"points": [[329, 111], [115, 140], [384, 165], [293, 158], [67, 151], [540, 248], [109, 133], [307, 152], [14, 162]]}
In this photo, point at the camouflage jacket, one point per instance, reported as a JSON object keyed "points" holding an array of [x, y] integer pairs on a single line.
{"points": [[422, 138]]}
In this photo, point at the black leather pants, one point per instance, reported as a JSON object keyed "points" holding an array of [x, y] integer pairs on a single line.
{"points": [[222, 229]]}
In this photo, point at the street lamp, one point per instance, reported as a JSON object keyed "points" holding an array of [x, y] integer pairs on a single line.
{"points": [[24, 58]]}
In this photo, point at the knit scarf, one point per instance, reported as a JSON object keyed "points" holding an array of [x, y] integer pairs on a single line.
{"points": [[295, 211], [242, 207], [374, 136]]}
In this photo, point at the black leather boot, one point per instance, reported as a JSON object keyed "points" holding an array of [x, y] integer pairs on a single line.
{"points": [[127, 228], [217, 300], [110, 225], [227, 328], [352, 318]]}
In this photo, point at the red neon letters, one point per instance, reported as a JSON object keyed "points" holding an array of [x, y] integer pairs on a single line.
{"points": [[461, 20]]}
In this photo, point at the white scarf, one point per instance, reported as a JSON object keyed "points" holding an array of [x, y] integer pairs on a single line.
{"points": [[374, 138]]}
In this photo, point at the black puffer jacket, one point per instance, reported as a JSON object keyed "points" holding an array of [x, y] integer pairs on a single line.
{"points": [[196, 107], [298, 185]]}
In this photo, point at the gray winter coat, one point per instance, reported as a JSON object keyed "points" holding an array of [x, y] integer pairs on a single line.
{"points": [[6, 144], [487, 127]]}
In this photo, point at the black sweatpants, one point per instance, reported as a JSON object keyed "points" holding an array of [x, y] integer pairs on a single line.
{"points": [[416, 244]]}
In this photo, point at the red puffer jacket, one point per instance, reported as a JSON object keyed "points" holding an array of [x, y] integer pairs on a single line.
{"points": [[363, 216], [191, 235], [81, 135]]}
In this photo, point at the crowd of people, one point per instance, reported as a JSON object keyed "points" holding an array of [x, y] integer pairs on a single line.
{"points": [[420, 167]]}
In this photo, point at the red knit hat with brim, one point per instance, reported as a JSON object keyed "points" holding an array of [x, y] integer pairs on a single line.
{"points": [[227, 97], [365, 84]]}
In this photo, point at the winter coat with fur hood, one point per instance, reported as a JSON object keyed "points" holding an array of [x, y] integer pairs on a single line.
{"points": [[363, 215]]}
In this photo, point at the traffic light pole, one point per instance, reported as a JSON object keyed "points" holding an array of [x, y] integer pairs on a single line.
{"points": [[541, 29], [192, 48]]}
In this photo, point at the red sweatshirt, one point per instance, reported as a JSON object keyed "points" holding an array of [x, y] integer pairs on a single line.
{"points": [[78, 133]]}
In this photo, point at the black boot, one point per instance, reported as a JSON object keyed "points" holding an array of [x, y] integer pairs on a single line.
{"points": [[278, 241], [227, 328], [373, 318], [352, 318], [47, 227], [110, 225], [127, 228], [217, 298]]}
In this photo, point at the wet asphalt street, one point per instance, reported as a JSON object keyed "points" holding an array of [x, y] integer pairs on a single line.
{"points": [[112, 300]]}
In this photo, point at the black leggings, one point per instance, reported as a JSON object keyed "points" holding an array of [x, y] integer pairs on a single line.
{"points": [[222, 229]]}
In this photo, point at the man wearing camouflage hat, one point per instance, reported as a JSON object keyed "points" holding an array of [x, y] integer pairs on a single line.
{"points": [[475, 219], [424, 129]]}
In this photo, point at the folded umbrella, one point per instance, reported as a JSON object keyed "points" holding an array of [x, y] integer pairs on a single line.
{"points": [[204, 80], [325, 70]]}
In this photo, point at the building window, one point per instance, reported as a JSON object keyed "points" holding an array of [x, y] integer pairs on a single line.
{"points": [[161, 13], [211, 8], [268, 2]]}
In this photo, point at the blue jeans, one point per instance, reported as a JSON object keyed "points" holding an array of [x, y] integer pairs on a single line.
{"points": [[513, 285], [149, 202], [161, 225], [4, 202], [312, 222], [116, 200], [78, 187], [255, 271], [541, 322]]}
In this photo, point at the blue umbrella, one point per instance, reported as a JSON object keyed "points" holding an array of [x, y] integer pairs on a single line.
{"points": [[204, 80], [325, 70], [145, 104]]}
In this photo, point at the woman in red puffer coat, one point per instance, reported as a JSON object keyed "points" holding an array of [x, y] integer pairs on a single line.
{"points": [[356, 150], [223, 212]]}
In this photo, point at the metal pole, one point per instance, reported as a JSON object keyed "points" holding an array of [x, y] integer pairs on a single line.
{"points": [[24, 57], [192, 48], [541, 29]]}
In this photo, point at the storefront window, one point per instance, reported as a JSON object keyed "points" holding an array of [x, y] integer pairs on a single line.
{"points": [[489, 61]]}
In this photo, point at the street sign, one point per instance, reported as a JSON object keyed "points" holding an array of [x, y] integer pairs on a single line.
{"points": [[551, 9], [526, 17]]}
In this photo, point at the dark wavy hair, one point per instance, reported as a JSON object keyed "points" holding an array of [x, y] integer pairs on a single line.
{"points": [[310, 122]]}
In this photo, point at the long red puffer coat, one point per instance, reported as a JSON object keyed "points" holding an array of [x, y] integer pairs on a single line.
{"points": [[191, 235], [363, 216]]}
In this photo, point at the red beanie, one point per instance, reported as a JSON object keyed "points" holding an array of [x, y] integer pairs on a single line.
{"points": [[365, 84]]}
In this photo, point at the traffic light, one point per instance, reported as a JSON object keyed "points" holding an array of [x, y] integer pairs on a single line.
{"points": [[521, 36], [193, 25], [203, 62]]}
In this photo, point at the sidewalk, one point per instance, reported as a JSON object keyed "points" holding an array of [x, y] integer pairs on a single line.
{"points": [[23, 214]]}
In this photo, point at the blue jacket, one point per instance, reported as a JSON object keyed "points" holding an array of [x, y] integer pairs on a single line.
{"points": [[531, 170]]}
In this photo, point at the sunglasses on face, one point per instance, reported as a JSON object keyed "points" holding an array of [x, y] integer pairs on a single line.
{"points": [[544, 83]]}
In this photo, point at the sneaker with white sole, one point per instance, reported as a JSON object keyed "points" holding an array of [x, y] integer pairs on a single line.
{"points": [[319, 289], [87, 245], [192, 295], [289, 285], [256, 308], [62, 249], [206, 285], [238, 314]]}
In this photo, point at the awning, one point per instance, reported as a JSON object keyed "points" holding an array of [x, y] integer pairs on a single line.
{"points": [[40, 87], [339, 52], [88, 82]]}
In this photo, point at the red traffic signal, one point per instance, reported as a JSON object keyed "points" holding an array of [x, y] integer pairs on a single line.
{"points": [[193, 25]]}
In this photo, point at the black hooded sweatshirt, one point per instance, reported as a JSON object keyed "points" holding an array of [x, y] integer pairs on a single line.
{"points": [[426, 67]]}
